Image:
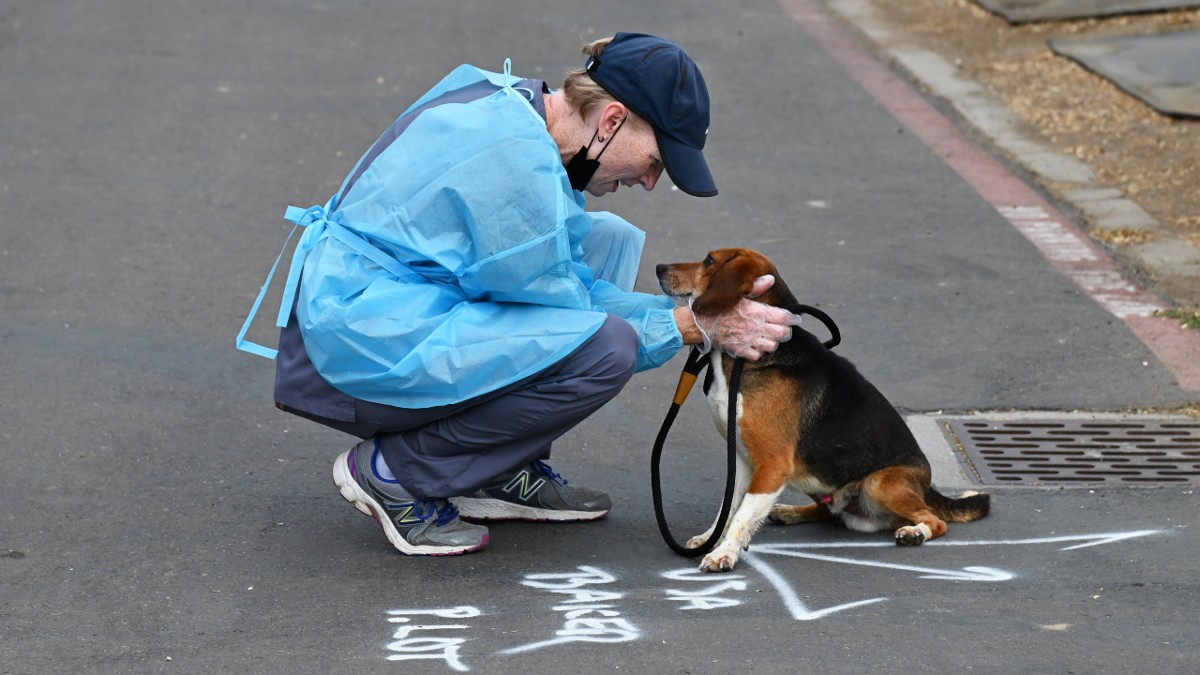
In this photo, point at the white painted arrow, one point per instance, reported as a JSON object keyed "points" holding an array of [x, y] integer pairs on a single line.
{"points": [[964, 574], [1087, 539], [794, 604], [801, 612]]}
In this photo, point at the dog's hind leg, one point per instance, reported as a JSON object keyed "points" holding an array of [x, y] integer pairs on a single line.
{"points": [[787, 514], [900, 491]]}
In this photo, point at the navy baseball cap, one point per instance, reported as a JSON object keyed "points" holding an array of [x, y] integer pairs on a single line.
{"points": [[656, 79]]}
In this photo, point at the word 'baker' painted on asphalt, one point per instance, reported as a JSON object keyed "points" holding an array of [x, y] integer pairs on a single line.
{"points": [[589, 614], [594, 609]]}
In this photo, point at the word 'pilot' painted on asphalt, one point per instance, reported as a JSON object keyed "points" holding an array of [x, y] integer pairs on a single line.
{"points": [[413, 642]]}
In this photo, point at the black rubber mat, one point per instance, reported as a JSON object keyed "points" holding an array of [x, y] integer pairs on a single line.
{"points": [[1163, 69], [1023, 11]]}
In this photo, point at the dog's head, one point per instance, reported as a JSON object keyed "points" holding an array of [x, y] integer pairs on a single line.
{"points": [[723, 278]]}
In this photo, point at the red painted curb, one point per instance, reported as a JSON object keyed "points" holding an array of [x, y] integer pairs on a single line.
{"points": [[1067, 249]]}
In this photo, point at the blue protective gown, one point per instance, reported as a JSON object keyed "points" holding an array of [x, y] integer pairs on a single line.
{"points": [[450, 263]]}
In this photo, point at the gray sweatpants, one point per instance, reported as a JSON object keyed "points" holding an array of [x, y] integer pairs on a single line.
{"points": [[452, 450]]}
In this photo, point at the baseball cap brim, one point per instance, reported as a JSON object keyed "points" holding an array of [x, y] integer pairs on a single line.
{"points": [[686, 167]]}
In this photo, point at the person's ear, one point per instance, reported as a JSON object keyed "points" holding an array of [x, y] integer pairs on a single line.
{"points": [[614, 114]]}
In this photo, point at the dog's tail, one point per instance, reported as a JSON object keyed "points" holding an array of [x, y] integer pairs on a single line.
{"points": [[970, 506]]}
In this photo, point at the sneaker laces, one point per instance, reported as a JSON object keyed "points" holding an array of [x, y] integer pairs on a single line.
{"points": [[445, 511], [544, 469]]}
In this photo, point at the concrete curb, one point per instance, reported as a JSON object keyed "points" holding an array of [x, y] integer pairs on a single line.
{"points": [[948, 471], [1102, 207]]}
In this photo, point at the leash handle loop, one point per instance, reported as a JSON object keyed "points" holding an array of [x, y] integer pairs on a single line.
{"points": [[835, 335]]}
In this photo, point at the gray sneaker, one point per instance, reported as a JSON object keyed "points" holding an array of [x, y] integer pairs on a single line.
{"points": [[414, 526], [535, 492]]}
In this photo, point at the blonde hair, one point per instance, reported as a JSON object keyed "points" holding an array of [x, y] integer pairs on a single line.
{"points": [[580, 90]]}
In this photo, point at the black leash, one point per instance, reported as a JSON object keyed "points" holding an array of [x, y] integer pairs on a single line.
{"points": [[696, 362]]}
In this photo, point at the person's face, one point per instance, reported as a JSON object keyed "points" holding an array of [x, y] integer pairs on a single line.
{"points": [[632, 158]]}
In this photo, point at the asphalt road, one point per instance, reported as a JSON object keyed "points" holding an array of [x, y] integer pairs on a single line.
{"points": [[159, 515]]}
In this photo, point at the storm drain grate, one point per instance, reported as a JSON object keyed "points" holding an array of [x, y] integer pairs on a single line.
{"points": [[1084, 452]]}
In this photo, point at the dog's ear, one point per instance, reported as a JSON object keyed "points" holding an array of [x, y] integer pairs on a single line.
{"points": [[733, 280]]}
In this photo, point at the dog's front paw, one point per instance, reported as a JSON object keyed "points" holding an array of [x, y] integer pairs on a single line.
{"points": [[719, 561], [697, 541], [912, 535]]}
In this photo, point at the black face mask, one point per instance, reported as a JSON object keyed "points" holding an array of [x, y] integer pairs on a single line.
{"points": [[581, 169]]}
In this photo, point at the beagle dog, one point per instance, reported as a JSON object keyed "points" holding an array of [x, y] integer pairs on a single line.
{"points": [[807, 418]]}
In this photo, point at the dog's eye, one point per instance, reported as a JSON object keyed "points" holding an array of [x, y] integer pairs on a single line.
{"points": [[709, 262]]}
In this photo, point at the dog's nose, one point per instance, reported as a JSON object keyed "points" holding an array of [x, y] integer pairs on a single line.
{"points": [[660, 269]]}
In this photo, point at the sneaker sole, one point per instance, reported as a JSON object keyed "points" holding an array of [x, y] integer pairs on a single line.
{"points": [[482, 509], [351, 492]]}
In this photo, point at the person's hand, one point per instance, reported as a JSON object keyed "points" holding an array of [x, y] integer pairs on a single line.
{"points": [[750, 329]]}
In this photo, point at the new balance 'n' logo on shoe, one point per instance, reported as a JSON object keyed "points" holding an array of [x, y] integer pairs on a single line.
{"points": [[520, 484], [413, 526], [534, 492]]}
